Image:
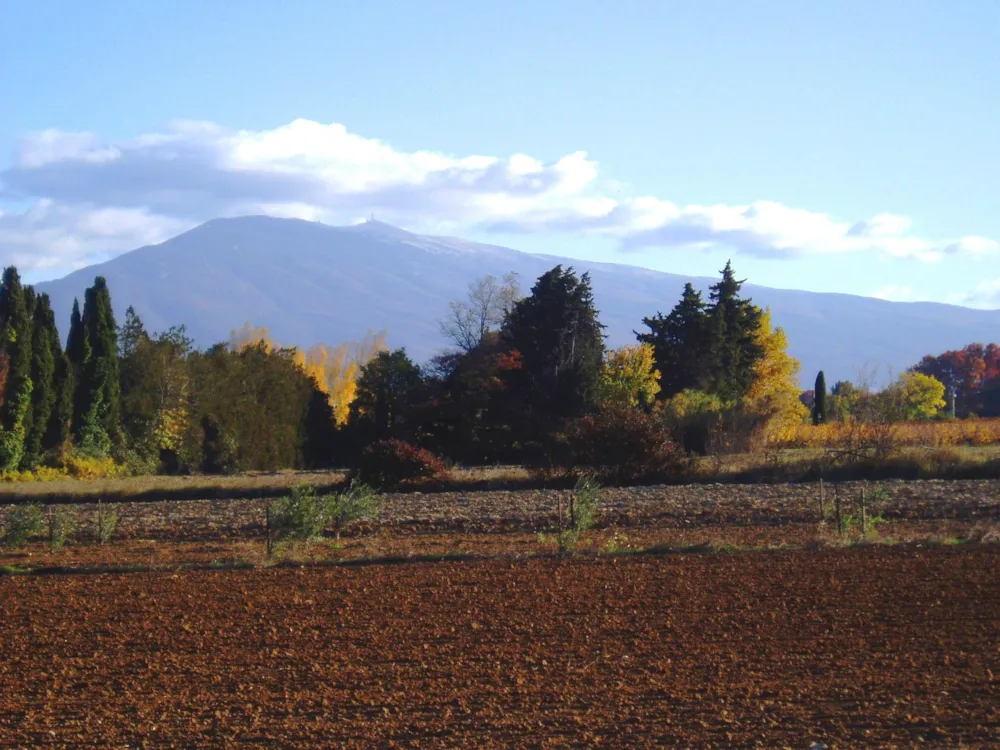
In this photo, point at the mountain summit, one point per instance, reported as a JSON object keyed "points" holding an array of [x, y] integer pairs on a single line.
{"points": [[310, 282]]}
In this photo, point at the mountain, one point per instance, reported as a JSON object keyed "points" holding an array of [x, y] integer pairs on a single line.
{"points": [[309, 282]]}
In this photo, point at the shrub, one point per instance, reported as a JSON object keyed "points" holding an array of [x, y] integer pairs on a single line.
{"points": [[623, 445], [303, 515], [388, 464], [581, 513], [22, 523], [83, 466], [62, 521], [105, 523], [299, 516], [358, 503]]}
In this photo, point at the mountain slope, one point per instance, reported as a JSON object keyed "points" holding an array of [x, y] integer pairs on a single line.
{"points": [[310, 282]]}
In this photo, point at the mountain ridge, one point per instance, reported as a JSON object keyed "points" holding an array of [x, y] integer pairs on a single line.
{"points": [[311, 282]]}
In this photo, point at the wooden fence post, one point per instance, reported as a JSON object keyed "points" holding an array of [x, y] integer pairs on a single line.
{"points": [[864, 513], [267, 528], [836, 500]]}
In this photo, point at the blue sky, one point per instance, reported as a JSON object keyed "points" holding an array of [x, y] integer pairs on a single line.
{"points": [[848, 146]]}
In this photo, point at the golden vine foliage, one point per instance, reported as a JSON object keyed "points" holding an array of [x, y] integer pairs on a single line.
{"points": [[775, 389]]}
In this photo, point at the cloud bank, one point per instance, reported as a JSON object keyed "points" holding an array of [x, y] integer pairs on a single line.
{"points": [[68, 199]]}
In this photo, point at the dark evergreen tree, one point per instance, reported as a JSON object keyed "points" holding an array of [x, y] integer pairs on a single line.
{"points": [[680, 343], [101, 420], [78, 354], [819, 403], [45, 354], [64, 384], [557, 333], [733, 349], [15, 346]]}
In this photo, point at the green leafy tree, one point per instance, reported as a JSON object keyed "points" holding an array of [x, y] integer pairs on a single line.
{"points": [[389, 387], [680, 343], [819, 404], [557, 333], [15, 345]]}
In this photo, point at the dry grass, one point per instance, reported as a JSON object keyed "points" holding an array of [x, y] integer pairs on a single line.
{"points": [[949, 434]]}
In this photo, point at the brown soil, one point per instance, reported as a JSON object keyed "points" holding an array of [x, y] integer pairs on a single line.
{"points": [[886, 647]]}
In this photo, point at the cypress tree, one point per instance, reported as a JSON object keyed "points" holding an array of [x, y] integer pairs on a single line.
{"points": [[15, 345], [45, 353], [99, 388], [78, 355], [733, 349], [64, 384], [819, 404]]}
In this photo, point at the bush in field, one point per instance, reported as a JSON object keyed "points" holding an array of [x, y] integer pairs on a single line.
{"points": [[105, 523], [304, 515], [358, 503], [623, 445], [389, 463], [581, 513], [22, 523], [300, 516], [62, 522]]}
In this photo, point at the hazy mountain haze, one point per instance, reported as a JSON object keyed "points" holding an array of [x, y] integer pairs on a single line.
{"points": [[309, 282]]}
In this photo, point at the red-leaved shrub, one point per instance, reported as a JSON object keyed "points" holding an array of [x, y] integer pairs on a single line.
{"points": [[388, 464], [623, 445]]}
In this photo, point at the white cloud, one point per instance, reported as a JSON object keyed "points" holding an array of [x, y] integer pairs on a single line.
{"points": [[986, 295], [94, 197]]}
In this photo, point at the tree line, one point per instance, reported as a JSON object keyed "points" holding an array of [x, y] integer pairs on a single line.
{"points": [[527, 380]]}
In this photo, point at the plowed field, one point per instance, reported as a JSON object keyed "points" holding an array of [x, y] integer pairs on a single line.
{"points": [[877, 646]]}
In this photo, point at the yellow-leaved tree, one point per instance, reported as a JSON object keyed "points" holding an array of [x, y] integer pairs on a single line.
{"points": [[336, 368], [250, 335], [775, 390], [628, 376]]}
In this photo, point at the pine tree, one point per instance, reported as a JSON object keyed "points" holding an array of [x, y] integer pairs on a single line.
{"points": [[559, 337], [680, 343], [819, 404], [15, 345], [45, 353], [734, 350]]}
